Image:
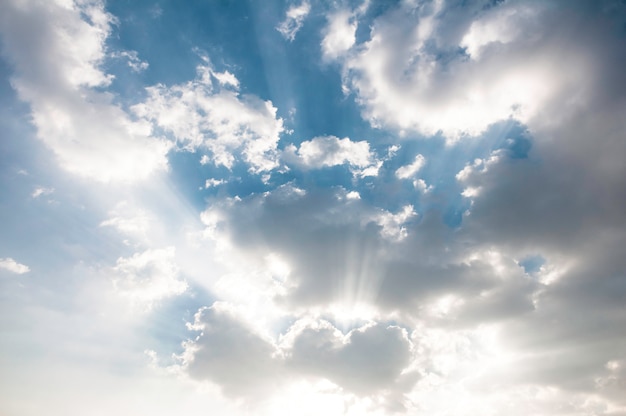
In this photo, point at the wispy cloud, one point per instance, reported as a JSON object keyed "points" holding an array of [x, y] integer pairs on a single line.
{"points": [[294, 19]]}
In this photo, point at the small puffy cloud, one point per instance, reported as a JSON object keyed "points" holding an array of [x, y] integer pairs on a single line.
{"points": [[148, 277], [408, 171], [326, 151], [212, 182], [393, 225], [207, 114], [41, 191], [339, 34], [226, 78], [353, 195], [12, 266], [332, 151], [294, 19], [421, 185], [470, 192], [132, 58]]}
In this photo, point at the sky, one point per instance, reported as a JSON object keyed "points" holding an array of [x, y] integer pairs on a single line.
{"points": [[309, 207]]}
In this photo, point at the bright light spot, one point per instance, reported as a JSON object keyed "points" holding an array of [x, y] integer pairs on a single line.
{"points": [[348, 314], [471, 192], [279, 269], [445, 305], [39, 191], [613, 365], [353, 195]]}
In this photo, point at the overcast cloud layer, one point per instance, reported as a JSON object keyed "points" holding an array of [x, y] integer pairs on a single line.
{"points": [[341, 208]]}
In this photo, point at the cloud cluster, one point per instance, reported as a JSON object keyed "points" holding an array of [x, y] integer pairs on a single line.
{"points": [[57, 49], [328, 151], [365, 361], [432, 67], [209, 114], [484, 324], [339, 35], [298, 289], [294, 19]]}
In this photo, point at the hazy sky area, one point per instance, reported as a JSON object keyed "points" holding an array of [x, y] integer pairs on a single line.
{"points": [[277, 208]]}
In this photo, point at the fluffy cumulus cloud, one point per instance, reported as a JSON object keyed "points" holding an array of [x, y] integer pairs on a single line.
{"points": [[339, 35], [440, 66], [463, 302], [41, 191], [210, 114], [408, 171], [57, 49], [391, 261], [365, 361], [327, 151]]}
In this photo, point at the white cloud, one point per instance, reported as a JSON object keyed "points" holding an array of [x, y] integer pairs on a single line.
{"points": [[393, 225], [130, 220], [294, 19], [212, 182], [13, 266], [408, 171], [208, 115], [422, 186], [226, 78], [353, 195], [330, 304], [339, 34], [500, 27], [132, 58], [57, 71], [39, 191], [366, 361], [148, 277], [402, 81], [326, 151]]}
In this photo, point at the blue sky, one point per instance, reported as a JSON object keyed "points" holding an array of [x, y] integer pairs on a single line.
{"points": [[307, 207]]}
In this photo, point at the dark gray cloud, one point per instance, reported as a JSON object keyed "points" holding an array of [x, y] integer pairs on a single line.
{"points": [[366, 361]]}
